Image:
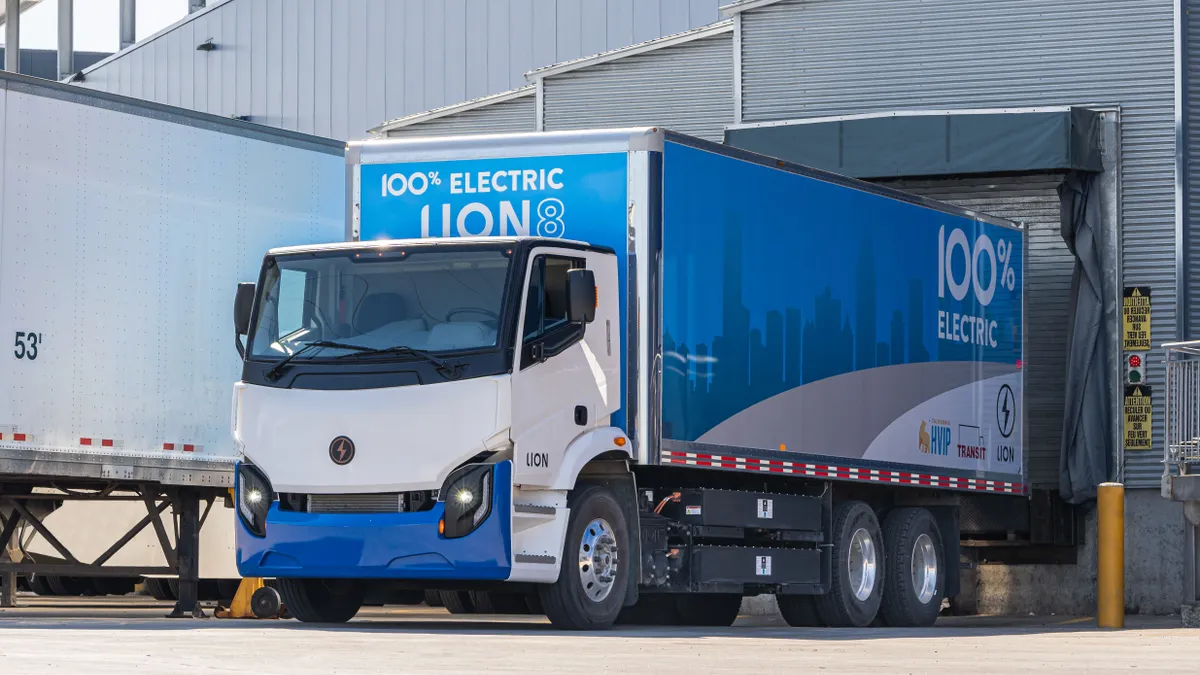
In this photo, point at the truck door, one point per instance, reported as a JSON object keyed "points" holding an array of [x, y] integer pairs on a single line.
{"points": [[564, 375]]}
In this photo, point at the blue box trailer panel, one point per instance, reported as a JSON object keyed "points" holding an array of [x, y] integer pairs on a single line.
{"points": [[809, 320]]}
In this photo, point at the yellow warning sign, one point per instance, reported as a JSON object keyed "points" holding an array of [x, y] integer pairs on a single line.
{"points": [[1135, 312], [1138, 431]]}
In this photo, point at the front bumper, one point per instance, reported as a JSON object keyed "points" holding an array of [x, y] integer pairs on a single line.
{"points": [[381, 545]]}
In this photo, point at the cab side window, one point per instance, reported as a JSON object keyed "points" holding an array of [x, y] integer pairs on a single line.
{"points": [[547, 331]]}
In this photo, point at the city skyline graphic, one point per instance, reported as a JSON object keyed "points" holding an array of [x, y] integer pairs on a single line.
{"points": [[773, 280], [706, 383]]}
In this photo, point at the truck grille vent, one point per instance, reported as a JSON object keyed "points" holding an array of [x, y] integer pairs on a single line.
{"points": [[385, 502]]}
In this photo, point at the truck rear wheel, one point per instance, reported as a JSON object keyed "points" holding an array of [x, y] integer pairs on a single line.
{"points": [[915, 580], [594, 574], [708, 609], [499, 602], [799, 611], [321, 600], [858, 568], [457, 602], [433, 598]]}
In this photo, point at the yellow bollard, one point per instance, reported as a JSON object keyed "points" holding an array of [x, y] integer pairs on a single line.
{"points": [[1110, 592]]}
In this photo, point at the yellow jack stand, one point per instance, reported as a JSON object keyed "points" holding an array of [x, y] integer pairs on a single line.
{"points": [[242, 606]]}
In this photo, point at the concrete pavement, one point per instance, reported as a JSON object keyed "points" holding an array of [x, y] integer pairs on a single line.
{"points": [[128, 635]]}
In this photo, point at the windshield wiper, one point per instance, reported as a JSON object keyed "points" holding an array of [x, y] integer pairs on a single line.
{"points": [[443, 367], [274, 372]]}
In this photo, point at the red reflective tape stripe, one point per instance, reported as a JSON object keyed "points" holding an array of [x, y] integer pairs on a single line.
{"points": [[107, 443], [850, 473], [189, 448], [19, 437], [168, 446], [85, 441]]}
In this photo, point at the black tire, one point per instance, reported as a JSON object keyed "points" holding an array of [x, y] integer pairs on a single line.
{"points": [[266, 603], [651, 609], [902, 531], [433, 599], [321, 600], [208, 591], [39, 585], [498, 602], [68, 586], [708, 609], [158, 589], [840, 607], [533, 602], [458, 602], [112, 586], [227, 589], [173, 586], [800, 611], [566, 601]]}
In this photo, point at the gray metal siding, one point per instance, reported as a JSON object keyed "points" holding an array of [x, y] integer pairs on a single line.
{"points": [[1192, 159], [686, 87], [1032, 200], [518, 114], [339, 67], [833, 57]]}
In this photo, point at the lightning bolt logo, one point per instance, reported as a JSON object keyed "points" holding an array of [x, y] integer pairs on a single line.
{"points": [[1005, 410]]}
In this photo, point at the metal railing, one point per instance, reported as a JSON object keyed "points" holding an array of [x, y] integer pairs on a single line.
{"points": [[1182, 447]]}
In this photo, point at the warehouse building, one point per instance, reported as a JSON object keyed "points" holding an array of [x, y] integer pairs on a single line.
{"points": [[1009, 108], [338, 67], [682, 81]]}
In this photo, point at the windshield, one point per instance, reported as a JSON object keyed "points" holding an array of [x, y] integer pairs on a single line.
{"points": [[431, 300]]}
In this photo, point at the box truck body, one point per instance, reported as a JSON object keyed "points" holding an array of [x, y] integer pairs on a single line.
{"points": [[759, 333], [124, 226]]}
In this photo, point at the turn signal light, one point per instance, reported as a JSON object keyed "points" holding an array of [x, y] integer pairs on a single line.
{"points": [[620, 441], [442, 526]]}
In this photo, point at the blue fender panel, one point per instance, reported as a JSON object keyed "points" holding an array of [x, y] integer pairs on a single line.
{"points": [[381, 545]]}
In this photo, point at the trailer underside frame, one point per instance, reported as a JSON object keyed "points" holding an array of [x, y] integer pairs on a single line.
{"points": [[34, 482]]}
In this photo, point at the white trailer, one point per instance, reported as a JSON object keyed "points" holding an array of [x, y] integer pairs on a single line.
{"points": [[124, 227]]}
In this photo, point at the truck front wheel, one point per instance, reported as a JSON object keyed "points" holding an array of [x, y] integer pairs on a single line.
{"points": [[594, 574], [856, 587], [321, 600]]}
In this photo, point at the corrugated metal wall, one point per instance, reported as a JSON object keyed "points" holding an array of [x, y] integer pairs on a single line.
{"points": [[339, 67], [518, 114], [1192, 159], [832, 57], [687, 87], [1034, 201]]}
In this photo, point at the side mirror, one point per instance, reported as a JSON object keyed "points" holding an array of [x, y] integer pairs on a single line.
{"points": [[243, 304], [581, 296]]}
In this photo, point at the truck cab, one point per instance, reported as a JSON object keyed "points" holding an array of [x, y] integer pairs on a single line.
{"points": [[419, 410]]}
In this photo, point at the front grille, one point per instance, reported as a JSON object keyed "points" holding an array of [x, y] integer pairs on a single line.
{"points": [[381, 502]]}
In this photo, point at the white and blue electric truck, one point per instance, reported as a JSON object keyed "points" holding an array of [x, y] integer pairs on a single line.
{"points": [[627, 376]]}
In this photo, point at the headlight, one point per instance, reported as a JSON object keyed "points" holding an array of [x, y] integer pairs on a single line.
{"points": [[468, 496], [254, 499]]}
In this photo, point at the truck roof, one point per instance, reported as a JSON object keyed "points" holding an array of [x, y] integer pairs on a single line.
{"points": [[430, 241]]}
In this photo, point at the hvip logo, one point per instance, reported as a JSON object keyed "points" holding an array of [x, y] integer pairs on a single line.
{"points": [[934, 437]]}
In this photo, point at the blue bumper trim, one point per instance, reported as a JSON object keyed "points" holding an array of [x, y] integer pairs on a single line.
{"points": [[381, 545]]}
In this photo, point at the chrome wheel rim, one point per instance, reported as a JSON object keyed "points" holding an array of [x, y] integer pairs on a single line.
{"points": [[924, 569], [598, 559], [862, 563]]}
